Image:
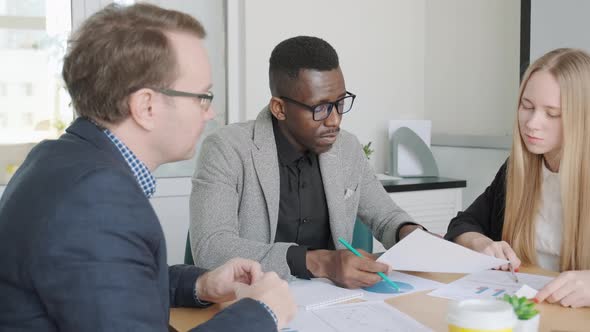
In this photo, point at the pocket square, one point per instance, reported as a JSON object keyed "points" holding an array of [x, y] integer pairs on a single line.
{"points": [[348, 192]]}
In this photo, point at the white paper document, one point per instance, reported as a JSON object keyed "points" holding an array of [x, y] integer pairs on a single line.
{"points": [[407, 284], [421, 251], [318, 292], [355, 317], [527, 292], [306, 321], [490, 284]]}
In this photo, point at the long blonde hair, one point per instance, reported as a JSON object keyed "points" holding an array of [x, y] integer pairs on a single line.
{"points": [[571, 70]]}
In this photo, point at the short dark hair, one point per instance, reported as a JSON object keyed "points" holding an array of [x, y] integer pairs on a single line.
{"points": [[119, 50], [291, 56]]}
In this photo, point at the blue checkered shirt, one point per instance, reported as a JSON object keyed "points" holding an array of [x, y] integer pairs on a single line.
{"points": [[142, 174]]}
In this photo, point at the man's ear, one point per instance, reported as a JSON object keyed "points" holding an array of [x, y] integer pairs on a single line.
{"points": [[141, 104], [277, 108]]}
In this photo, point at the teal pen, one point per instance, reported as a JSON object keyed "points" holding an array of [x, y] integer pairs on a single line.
{"points": [[381, 274]]}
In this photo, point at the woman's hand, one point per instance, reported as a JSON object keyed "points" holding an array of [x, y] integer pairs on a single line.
{"points": [[570, 289]]}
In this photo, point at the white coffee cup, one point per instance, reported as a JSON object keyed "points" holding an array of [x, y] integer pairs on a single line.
{"points": [[481, 316]]}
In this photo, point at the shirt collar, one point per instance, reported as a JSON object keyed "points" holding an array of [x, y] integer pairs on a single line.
{"points": [[288, 154], [144, 177]]}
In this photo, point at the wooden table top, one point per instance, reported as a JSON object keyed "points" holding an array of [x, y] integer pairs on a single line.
{"points": [[430, 311]]}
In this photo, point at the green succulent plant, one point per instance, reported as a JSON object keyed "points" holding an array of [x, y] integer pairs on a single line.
{"points": [[367, 150], [524, 308]]}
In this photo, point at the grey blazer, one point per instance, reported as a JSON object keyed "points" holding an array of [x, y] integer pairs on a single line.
{"points": [[234, 203]]}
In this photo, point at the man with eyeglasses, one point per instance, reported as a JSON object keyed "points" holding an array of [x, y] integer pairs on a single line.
{"points": [[283, 188], [82, 248]]}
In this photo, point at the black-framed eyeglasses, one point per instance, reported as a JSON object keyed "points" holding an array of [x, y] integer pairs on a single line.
{"points": [[322, 111], [204, 98]]}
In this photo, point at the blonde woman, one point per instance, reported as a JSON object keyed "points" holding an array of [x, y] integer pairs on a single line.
{"points": [[537, 209]]}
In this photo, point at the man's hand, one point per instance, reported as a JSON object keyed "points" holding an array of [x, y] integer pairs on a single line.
{"points": [[485, 245], [219, 285], [274, 292], [345, 268], [570, 289], [407, 229]]}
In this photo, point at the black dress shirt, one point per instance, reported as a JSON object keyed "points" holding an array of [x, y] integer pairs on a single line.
{"points": [[303, 210]]}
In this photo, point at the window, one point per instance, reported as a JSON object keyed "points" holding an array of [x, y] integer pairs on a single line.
{"points": [[34, 104]]}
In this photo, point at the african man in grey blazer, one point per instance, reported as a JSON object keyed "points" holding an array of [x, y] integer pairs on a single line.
{"points": [[283, 188]]}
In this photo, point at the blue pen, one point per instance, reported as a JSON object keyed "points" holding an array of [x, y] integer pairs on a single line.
{"points": [[381, 274]]}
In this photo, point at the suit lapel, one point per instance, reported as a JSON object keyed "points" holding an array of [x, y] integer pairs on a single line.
{"points": [[266, 164], [334, 188]]}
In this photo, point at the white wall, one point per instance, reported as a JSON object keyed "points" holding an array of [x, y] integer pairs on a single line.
{"points": [[455, 61], [171, 203], [477, 166], [471, 85], [381, 50], [472, 66], [559, 24]]}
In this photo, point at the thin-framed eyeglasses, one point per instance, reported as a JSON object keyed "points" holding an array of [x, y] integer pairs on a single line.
{"points": [[205, 99], [322, 111]]}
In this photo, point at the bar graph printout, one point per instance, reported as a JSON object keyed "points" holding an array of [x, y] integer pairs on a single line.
{"points": [[489, 284]]}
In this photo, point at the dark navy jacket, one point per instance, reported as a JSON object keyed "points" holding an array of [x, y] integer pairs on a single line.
{"points": [[83, 250]]}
